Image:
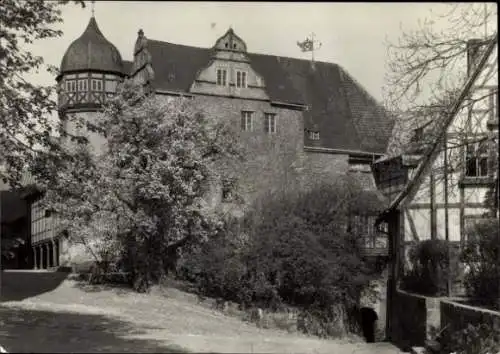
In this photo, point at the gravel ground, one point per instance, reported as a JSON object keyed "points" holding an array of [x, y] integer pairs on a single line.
{"points": [[72, 318]]}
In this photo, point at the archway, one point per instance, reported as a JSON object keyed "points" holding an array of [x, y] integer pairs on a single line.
{"points": [[368, 317]]}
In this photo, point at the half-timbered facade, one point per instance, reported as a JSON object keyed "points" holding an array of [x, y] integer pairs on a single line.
{"points": [[439, 191]]}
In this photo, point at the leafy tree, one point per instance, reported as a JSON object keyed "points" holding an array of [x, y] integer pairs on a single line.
{"points": [[25, 108], [144, 194]]}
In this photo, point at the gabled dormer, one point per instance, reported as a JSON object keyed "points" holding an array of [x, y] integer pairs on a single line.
{"points": [[231, 43], [229, 71]]}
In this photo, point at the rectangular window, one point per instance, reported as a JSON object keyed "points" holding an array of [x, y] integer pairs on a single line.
{"points": [[270, 123], [82, 85], [71, 85], [241, 79], [313, 135], [476, 159], [97, 85], [221, 77], [246, 121]]}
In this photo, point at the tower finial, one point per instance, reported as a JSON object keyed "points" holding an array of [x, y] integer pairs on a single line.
{"points": [[92, 7]]}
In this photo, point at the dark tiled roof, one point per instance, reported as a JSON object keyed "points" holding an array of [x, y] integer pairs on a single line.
{"points": [[175, 65], [127, 66], [328, 111], [346, 116], [279, 85], [370, 119], [92, 51], [369, 201]]}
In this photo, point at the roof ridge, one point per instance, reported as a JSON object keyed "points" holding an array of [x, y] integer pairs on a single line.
{"points": [[249, 53]]}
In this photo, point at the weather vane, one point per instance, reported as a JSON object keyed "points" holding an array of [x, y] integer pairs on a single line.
{"points": [[310, 45]]}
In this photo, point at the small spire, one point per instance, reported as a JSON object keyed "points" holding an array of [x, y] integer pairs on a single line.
{"points": [[92, 7]]}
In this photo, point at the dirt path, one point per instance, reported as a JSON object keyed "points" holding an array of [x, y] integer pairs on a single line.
{"points": [[71, 319]]}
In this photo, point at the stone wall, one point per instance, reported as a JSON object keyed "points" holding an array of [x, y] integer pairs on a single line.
{"points": [[273, 161], [379, 304]]}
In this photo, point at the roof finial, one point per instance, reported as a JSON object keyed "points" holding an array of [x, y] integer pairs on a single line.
{"points": [[92, 7], [310, 45]]}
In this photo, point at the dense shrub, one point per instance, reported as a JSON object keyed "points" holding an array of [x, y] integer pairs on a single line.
{"points": [[427, 269], [474, 339], [480, 256], [293, 249]]}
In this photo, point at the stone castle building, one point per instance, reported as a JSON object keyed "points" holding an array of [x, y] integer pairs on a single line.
{"points": [[300, 123]]}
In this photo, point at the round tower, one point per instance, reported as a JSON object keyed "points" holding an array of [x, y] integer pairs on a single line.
{"points": [[90, 72]]}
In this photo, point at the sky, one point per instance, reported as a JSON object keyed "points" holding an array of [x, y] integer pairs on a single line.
{"points": [[353, 35]]}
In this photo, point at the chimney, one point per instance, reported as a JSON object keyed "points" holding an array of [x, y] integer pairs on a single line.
{"points": [[475, 48]]}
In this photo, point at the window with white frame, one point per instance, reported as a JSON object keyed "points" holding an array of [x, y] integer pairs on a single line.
{"points": [[97, 85], [270, 123], [313, 135], [246, 121], [82, 85], [222, 77], [70, 85], [476, 159], [241, 79]]}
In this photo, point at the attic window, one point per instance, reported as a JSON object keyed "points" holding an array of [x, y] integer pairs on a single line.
{"points": [[313, 135], [227, 45], [221, 77], [234, 45], [241, 79]]}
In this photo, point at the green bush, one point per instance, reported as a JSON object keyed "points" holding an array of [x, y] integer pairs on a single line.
{"points": [[293, 249], [480, 256], [474, 339], [428, 268]]}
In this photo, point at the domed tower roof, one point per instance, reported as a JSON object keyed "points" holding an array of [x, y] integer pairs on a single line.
{"points": [[92, 51]]}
